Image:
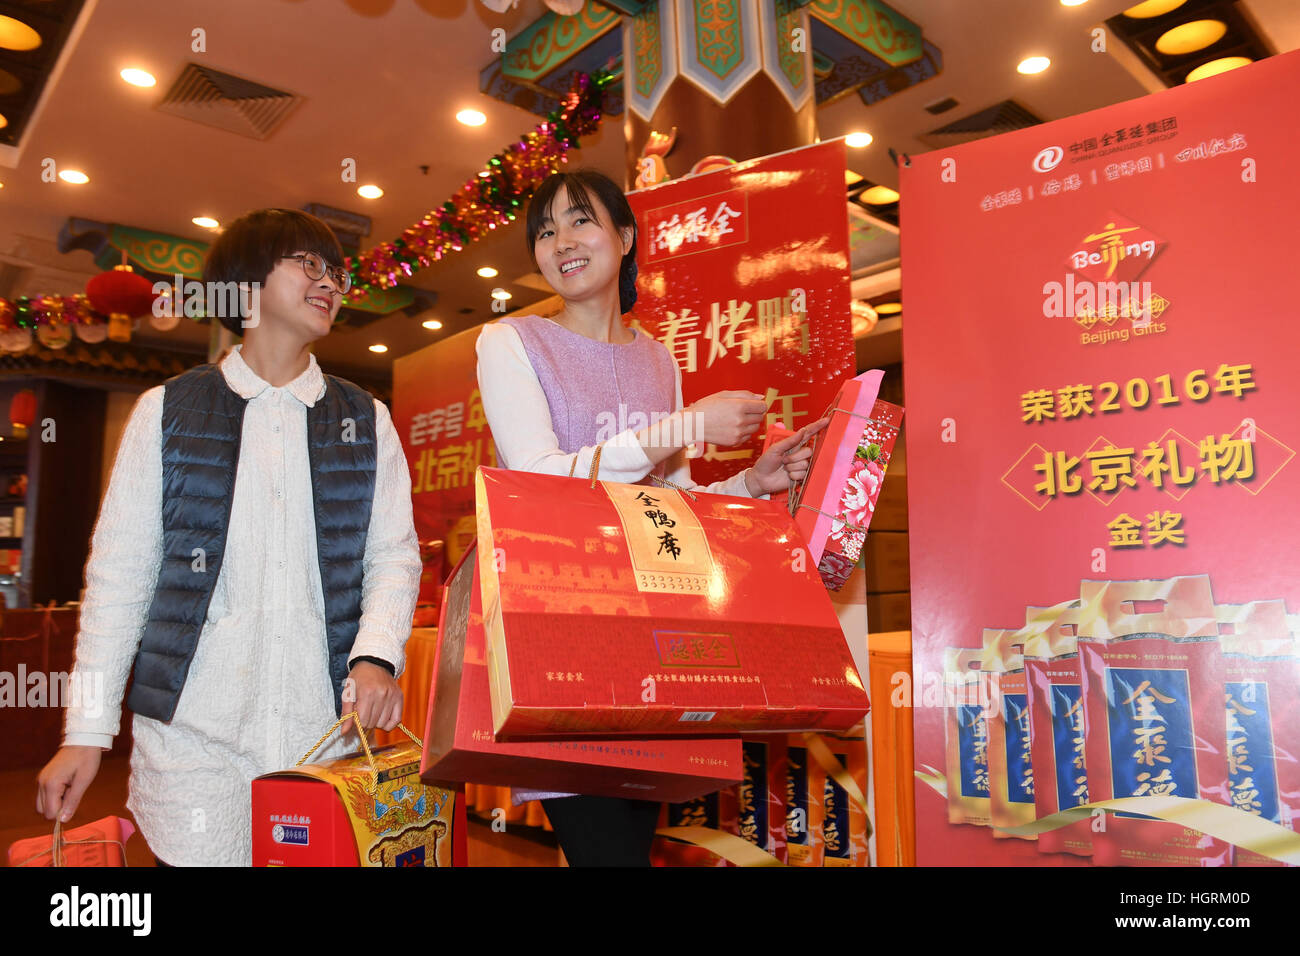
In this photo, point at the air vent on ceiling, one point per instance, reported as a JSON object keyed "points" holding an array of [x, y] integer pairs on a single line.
{"points": [[941, 106], [467, 311], [999, 118], [228, 102]]}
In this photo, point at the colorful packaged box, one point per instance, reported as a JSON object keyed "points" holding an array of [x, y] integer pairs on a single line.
{"points": [[805, 795], [333, 815], [834, 504], [459, 745], [1262, 672], [845, 827], [1152, 678], [704, 811], [1011, 768], [1055, 694], [966, 740], [757, 803], [635, 610]]}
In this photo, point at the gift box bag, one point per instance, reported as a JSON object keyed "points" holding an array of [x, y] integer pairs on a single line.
{"points": [[459, 745], [616, 609], [834, 504], [368, 809]]}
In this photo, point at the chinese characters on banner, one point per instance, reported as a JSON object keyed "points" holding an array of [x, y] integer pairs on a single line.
{"points": [[1109, 381], [747, 294], [439, 417]]}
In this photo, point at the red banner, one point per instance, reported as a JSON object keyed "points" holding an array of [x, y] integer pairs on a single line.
{"points": [[744, 276], [1100, 354], [439, 417]]}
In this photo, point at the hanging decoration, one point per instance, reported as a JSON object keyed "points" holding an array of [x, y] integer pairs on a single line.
{"points": [[124, 295], [22, 412], [494, 197]]}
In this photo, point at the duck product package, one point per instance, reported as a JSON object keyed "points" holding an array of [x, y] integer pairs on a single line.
{"points": [[1011, 770], [1056, 723], [1154, 724], [1261, 669], [966, 740]]}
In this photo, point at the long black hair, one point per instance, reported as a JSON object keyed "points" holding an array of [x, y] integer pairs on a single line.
{"points": [[580, 184]]}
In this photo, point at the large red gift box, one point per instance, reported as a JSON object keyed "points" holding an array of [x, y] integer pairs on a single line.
{"points": [[459, 746], [834, 504], [636, 610]]}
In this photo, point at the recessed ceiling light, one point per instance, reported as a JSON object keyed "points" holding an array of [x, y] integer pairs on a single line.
{"points": [[138, 77], [1152, 8], [484, 174], [850, 177], [501, 294], [858, 140], [487, 272], [207, 222], [379, 348], [879, 196], [16, 35], [74, 176], [1191, 36], [3, 121], [1034, 64], [1222, 65], [888, 308], [471, 117], [369, 191], [432, 324], [1072, 3]]}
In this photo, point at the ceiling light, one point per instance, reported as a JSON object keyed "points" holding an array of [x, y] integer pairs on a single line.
{"points": [[858, 140], [888, 308], [1152, 8], [379, 348], [879, 196], [1072, 3], [74, 176], [3, 121], [207, 222], [369, 191], [487, 272], [471, 117], [501, 294], [16, 35], [484, 174], [1034, 64], [138, 77], [1190, 37], [432, 324], [1222, 65], [851, 178]]}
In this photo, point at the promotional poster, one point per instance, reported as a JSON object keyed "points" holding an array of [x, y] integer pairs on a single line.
{"points": [[1101, 389]]}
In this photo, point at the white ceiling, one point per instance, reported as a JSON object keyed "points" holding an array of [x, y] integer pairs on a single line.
{"points": [[382, 81]]}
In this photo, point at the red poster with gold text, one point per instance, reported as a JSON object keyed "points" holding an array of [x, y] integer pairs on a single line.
{"points": [[744, 276], [1100, 355]]}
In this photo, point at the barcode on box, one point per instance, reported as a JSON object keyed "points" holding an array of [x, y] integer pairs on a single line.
{"points": [[702, 715]]}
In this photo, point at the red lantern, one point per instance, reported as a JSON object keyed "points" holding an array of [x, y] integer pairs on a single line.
{"points": [[22, 412], [123, 295]]}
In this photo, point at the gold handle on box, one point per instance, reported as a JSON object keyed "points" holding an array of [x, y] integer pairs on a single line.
{"points": [[595, 464], [365, 745]]}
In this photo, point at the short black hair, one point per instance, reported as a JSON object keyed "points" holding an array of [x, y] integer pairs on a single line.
{"points": [[580, 184], [249, 248]]}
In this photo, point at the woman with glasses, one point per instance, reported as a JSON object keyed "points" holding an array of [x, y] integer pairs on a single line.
{"points": [[239, 572], [548, 385]]}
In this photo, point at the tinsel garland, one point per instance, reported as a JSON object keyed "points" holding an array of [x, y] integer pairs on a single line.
{"points": [[489, 199]]}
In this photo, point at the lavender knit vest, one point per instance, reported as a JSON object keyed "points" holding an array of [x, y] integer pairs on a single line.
{"points": [[597, 389]]}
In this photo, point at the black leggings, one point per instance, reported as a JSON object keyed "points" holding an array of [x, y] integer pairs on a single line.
{"points": [[603, 831]]}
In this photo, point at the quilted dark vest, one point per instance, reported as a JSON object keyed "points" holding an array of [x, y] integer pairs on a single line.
{"points": [[202, 423]]}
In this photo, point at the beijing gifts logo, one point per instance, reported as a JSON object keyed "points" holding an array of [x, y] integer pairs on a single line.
{"points": [[1101, 285]]}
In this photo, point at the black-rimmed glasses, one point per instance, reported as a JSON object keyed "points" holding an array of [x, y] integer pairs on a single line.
{"points": [[315, 267]]}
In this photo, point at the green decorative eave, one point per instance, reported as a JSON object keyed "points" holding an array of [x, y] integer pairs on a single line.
{"points": [[551, 40], [166, 256], [878, 29]]}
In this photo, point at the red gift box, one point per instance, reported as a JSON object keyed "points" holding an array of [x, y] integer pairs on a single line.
{"points": [[631, 609], [834, 504], [459, 744], [342, 814]]}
